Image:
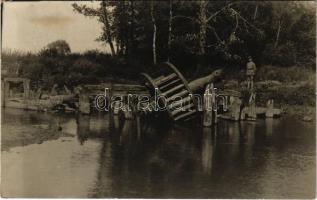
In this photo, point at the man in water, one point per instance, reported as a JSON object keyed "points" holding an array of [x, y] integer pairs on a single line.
{"points": [[250, 73]]}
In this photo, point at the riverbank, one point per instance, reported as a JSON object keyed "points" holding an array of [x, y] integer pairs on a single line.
{"points": [[293, 89], [296, 99]]}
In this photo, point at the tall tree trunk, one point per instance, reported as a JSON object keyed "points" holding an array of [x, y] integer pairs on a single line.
{"points": [[154, 33], [203, 26], [202, 34], [278, 33], [255, 11], [132, 25], [126, 28], [169, 41], [105, 20]]}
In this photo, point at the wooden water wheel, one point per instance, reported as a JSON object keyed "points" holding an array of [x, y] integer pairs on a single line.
{"points": [[170, 84]]}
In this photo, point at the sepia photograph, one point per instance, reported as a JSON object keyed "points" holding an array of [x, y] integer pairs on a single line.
{"points": [[168, 99]]}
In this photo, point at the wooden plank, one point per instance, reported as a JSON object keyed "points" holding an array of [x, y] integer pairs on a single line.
{"points": [[17, 79], [174, 112], [172, 90], [116, 86], [169, 84], [130, 87], [180, 94], [185, 115], [229, 93], [170, 65], [176, 103], [165, 79], [158, 78]]}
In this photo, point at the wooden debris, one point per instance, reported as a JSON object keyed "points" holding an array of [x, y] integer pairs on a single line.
{"points": [[269, 109]]}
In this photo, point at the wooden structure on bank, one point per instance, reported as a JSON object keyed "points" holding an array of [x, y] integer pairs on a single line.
{"points": [[7, 82], [88, 93], [179, 96], [7, 92], [13, 97]]}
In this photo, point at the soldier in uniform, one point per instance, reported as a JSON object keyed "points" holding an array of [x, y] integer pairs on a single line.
{"points": [[250, 72]]}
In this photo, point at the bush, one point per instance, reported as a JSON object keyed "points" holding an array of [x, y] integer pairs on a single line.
{"points": [[296, 95], [290, 74]]}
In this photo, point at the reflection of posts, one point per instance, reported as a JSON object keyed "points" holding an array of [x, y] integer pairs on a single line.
{"points": [[269, 126], [249, 133], [207, 150], [138, 126], [82, 128]]}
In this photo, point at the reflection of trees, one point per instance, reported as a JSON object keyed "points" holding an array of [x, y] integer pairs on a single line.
{"points": [[144, 164], [172, 161], [91, 126]]}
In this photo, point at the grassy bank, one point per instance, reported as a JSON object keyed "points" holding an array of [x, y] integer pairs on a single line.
{"points": [[292, 89]]}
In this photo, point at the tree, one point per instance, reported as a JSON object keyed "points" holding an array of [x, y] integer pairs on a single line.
{"points": [[154, 32], [56, 48], [104, 16], [202, 33], [170, 19]]}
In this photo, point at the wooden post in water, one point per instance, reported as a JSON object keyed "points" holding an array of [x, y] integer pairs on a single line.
{"points": [[210, 110], [235, 108], [207, 116], [214, 105], [84, 104], [252, 108], [269, 108]]}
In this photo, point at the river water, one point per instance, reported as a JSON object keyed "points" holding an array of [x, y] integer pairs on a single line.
{"points": [[101, 156]]}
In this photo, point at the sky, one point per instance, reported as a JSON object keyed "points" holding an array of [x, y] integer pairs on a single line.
{"points": [[30, 26]]}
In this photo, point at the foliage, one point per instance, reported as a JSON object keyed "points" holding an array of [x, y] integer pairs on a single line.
{"points": [[277, 33], [56, 48], [209, 34], [286, 75], [288, 95]]}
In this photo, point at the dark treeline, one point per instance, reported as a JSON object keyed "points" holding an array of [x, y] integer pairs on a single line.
{"points": [[197, 36]]}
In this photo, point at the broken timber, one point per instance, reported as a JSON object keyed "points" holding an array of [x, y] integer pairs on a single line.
{"points": [[171, 84]]}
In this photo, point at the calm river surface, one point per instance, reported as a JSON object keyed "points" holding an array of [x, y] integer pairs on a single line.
{"points": [[98, 157]]}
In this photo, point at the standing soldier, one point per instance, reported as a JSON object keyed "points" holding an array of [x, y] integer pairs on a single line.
{"points": [[250, 73]]}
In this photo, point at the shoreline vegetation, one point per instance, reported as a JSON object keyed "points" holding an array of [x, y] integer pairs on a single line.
{"points": [[291, 88], [197, 37]]}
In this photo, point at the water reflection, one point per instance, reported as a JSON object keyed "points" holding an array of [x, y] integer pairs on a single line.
{"points": [[208, 144], [131, 158]]}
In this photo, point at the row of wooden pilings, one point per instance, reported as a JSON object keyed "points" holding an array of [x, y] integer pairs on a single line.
{"points": [[232, 105]]}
